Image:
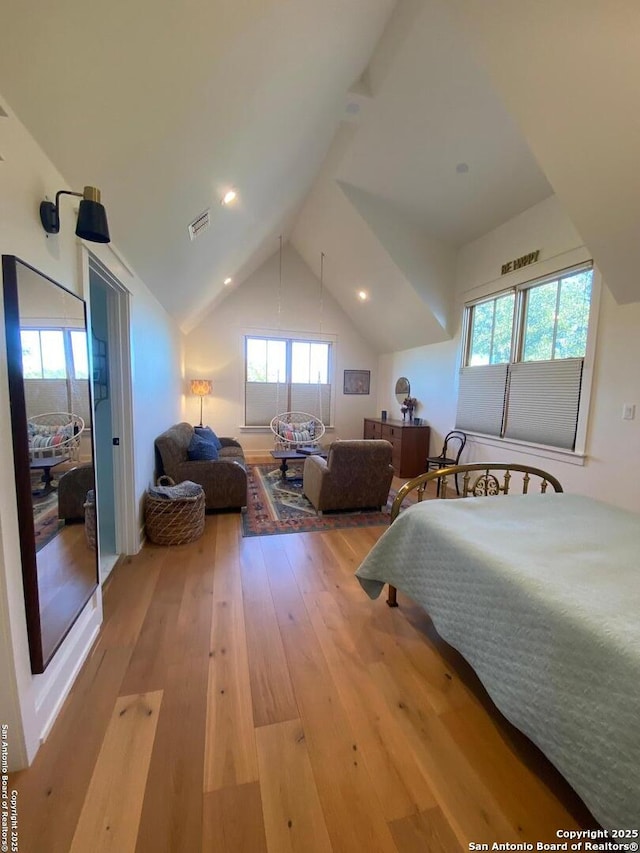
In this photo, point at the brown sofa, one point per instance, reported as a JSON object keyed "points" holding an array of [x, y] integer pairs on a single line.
{"points": [[355, 475], [224, 480]]}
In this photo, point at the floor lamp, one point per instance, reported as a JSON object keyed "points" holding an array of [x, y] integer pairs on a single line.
{"points": [[201, 388]]}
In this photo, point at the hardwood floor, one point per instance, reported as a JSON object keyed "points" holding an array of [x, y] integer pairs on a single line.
{"points": [[246, 695]]}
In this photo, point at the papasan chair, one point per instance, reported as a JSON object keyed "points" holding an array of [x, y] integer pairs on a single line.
{"points": [[54, 434], [293, 430]]}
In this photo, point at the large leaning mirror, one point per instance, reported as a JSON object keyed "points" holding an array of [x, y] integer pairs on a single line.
{"points": [[51, 420]]}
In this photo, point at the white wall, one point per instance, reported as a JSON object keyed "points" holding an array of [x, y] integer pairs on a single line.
{"points": [[214, 349], [156, 369], [30, 703], [613, 445], [432, 372]]}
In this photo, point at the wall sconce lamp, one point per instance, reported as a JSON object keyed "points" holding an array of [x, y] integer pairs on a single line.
{"points": [[92, 217], [201, 388]]}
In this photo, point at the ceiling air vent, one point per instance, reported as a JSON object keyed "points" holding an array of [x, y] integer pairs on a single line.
{"points": [[200, 224]]}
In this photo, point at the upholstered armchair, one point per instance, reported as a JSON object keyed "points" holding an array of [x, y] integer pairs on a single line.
{"points": [[224, 479], [355, 475], [72, 492]]}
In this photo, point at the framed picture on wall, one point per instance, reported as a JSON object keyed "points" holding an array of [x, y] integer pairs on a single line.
{"points": [[357, 382]]}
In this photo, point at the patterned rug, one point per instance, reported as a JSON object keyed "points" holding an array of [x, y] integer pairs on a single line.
{"points": [[45, 518], [275, 506]]}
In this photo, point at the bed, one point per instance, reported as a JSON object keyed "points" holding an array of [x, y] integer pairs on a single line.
{"points": [[541, 594]]}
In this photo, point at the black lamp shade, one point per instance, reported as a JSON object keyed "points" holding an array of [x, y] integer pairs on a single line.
{"points": [[92, 222]]}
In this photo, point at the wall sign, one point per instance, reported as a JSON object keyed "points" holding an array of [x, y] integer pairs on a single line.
{"points": [[524, 261]]}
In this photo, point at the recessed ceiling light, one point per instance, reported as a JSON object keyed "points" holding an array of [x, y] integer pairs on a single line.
{"points": [[228, 281], [363, 295], [229, 197]]}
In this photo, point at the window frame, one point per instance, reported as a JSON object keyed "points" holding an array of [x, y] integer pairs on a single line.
{"points": [[70, 367], [522, 302], [468, 326], [520, 281], [289, 338]]}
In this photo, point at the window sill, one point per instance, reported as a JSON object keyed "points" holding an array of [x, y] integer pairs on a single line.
{"points": [[571, 457]]}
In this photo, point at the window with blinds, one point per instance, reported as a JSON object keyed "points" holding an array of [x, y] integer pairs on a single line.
{"points": [[523, 359], [286, 375], [55, 368]]}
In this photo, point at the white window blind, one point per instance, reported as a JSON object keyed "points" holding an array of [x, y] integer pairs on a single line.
{"points": [[544, 399], [58, 395], [481, 398], [262, 402], [314, 399], [47, 395]]}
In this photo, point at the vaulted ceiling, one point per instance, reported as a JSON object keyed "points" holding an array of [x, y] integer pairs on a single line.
{"points": [[383, 134]]}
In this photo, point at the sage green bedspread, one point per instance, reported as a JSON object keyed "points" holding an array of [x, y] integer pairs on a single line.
{"points": [[541, 594]]}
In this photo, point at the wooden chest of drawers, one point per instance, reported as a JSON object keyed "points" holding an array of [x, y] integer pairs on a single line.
{"points": [[410, 444]]}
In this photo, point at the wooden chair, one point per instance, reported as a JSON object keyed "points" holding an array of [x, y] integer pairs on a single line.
{"points": [[452, 448]]}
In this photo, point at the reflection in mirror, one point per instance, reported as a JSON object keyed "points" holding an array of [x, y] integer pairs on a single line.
{"points": [[51, 419], [403, 389]]}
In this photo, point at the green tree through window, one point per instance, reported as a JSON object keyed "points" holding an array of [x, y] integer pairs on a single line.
{"points": [[557, 318], [491, 330]]}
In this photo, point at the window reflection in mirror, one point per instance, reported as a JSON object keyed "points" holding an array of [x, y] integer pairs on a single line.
{"points": [[51, 417]]}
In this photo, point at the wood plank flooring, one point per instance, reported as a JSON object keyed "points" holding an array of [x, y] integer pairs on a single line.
{"points": [[245, 695]]}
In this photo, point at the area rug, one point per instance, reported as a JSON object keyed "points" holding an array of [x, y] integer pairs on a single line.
{"points": [[275, 506], [45, 518]]}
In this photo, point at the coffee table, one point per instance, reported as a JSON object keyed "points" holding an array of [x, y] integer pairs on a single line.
{"points": [[45, 465], [285, 456]]}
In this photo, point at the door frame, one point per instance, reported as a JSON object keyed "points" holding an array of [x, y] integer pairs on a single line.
{"points": [[121, 392]]}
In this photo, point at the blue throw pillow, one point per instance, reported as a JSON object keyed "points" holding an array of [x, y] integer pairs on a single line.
{"points": [[209, 435], [200, 449]]}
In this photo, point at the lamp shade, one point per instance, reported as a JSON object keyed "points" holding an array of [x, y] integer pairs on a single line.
{"points": [[92, 218], [92, 222], [201, 387]]}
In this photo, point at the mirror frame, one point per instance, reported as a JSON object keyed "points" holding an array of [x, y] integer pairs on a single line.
{"points": [[22, 470]]}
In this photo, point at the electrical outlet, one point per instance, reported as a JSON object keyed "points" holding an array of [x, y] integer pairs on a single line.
{"points": [[628, 411]]}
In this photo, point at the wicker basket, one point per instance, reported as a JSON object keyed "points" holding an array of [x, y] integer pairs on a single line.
{"points": [[173, 522]]}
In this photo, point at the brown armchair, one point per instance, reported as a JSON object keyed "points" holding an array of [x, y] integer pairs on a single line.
{"points": [[356, 475], [224, 480], [72, 492]]}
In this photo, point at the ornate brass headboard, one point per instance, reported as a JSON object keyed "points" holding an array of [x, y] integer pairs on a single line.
{"points": [[478, 480]]}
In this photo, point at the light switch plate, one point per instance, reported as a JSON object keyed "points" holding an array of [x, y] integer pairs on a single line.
{"points": [[628, 411]]}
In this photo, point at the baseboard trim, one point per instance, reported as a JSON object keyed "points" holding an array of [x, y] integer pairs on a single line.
{"points": [[58, 679]]}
